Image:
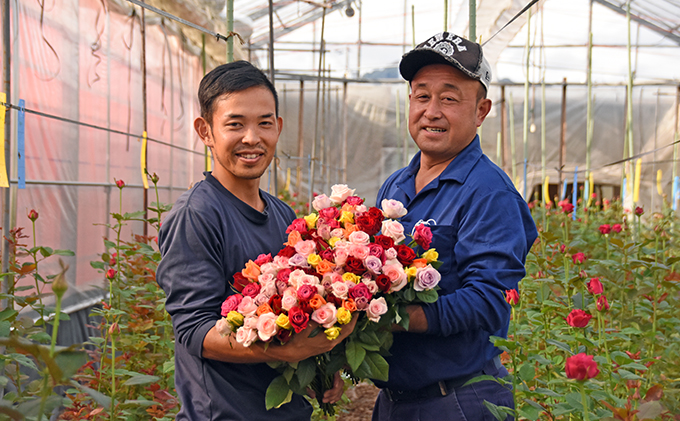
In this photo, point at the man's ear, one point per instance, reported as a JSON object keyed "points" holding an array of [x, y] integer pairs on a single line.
{"points": [[483, 108], [203, 130]]}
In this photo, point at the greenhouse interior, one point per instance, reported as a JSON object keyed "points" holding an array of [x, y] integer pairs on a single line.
{"points": [[100, 98]]}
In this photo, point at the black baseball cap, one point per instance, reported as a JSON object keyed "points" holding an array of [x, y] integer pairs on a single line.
{"points": [[447, 48]]}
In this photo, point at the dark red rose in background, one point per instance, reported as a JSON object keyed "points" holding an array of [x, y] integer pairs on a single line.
{"points": [[368, 224], [512, 297], [298, 319], [578, 318], [240, 281], [595, 286], [337, 302], [376, 213], [605, 229], [251, 290], [354, 265], [384, 241], [287, 251], [284, 335], [602, 303], [617, 228], [327, 255], [405, 254], [383, 282], [578, 258]]}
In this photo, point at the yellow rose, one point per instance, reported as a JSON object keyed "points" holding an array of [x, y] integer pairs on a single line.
{"points": [[332, 332], [431, 255], [333, 240], [283, 322], [349, 276], [311, 220], [344, 316], [346, 217], [314, 259], [235, 318], [411, 271]]}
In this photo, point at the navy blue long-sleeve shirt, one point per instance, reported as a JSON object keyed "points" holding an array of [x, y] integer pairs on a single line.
{"points": [[482, 230], [207, 237]]}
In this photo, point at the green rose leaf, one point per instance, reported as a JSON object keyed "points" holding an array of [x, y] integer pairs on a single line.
{"points": [[278, 393], [355, 354]]}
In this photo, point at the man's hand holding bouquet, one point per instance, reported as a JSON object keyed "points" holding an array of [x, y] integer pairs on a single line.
{"points": [[344, 261]]}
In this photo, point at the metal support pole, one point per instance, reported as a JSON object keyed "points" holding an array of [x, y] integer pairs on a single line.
{"points": [[144, 114], [230, 30], [6, 62], [344, 132], [301, 144], [563, 135], [473, 20], [271, 76]]}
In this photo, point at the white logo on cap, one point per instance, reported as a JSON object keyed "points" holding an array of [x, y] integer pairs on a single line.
{"points": [[446, 48]]}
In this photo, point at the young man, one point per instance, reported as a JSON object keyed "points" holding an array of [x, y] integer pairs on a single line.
{"points": [[481, 228], [211, 232]]}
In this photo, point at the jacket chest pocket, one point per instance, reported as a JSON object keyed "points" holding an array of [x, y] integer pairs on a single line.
{"points": [[444, 238]]}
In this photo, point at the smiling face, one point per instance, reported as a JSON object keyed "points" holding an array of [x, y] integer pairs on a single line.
{"points": [[243, 136], [445, 110]]}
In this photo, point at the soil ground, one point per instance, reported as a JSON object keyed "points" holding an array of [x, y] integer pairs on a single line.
{"points": [[362, 397]]}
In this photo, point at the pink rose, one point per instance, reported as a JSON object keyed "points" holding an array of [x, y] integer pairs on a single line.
{"points": [[360, 290], [326, 315], [340, 289], [329, 213], [358, 251], [373, 264], [339, 193], [324, 231], [251, 290], [321, 202], [426, 278], [305, 247], [394, 230], [266, 326], [263, 258], [341, 256], [245, 336], [397, 276], [423, 236], [393, 209], [355, 201], [371, 285], [306, 292], [390, 254], [261, 299], [338, 233], [359, 238], [376, 308], [247, 306], [230, 304], [289, 299]]}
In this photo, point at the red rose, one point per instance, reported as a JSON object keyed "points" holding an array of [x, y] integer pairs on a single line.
{"points": [[306, 292], [354, 200], [263, 258], [275, 303], [602, 303], [328, 214], [299, 225], [595, 286], [566, 206], [578, 318], [240, 281], [578, 257], [360, 290], [33, 215], [563, 248], [313, 272], [354, 265], [405, 254], [377, 251], [111, 273], [616, 228], [383, 282], [120, 183], [639, 211], [283, 275], [368, 224], [581, 367], [284, 335], [605, 229], [251, 290], [512, 297], [298, 319], [384, 241], [287, 251], [332, 224], [376, 213], [337, 302], [327, 254], [423, 236], [231, 304]]}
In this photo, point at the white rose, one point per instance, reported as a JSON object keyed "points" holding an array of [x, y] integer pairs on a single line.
{"points": [[393, 209], [321, 202], [339, 193]]}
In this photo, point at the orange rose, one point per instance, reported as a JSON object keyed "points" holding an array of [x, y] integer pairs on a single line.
{"points": [[348, 208], [293, 238], [349, 228], [264, 308], [316, 301], [419, 263], [324, 267], [349, 305], [251, 271]]}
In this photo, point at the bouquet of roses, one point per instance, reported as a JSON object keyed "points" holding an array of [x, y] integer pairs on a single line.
{"points": [[345, 260]]}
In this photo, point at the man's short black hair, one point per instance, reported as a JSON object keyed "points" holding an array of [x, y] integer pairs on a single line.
{"points": [[229, 78]]}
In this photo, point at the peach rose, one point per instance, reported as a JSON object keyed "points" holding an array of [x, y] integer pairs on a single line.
{"points": [[294, 237], [376, 308], [340, 289], [251, 271], [223, 327], [359, 238], [245, 336], [247, 306], [325, 315], [360, 252], [321, 202], [289, 299]]}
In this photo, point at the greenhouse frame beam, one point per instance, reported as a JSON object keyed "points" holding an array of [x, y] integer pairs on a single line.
{"points": [[662, 31]]}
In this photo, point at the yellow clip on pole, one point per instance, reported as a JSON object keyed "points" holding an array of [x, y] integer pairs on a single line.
{"points": [[636, 186], [4, 182], [142, 161], [659, 175]]}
